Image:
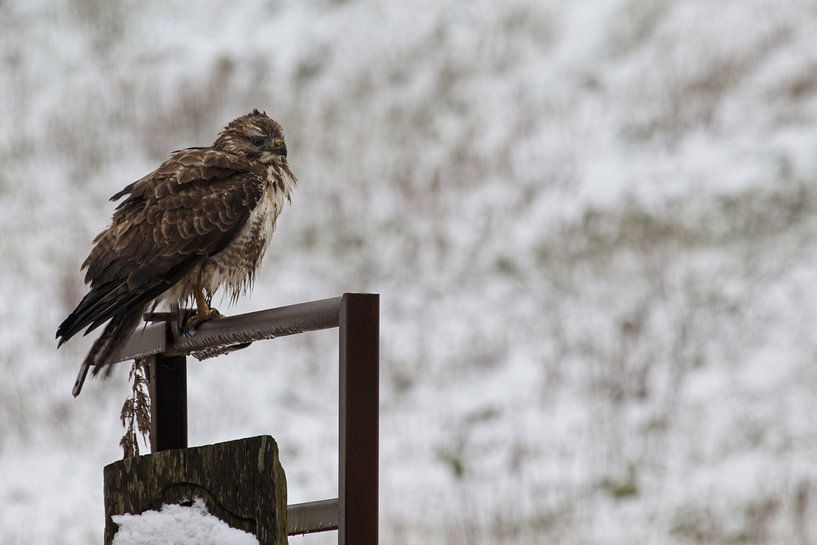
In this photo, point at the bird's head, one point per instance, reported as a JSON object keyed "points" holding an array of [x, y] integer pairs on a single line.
{"points": [[254, 136]]}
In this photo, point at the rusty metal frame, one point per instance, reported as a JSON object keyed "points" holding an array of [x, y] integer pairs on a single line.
{"points": [[354, 513]]}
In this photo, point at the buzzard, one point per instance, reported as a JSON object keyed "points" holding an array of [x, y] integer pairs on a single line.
{"points": [[200, 221]]}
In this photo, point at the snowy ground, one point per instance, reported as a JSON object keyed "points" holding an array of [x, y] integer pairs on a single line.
{"points": [[592, 224]]}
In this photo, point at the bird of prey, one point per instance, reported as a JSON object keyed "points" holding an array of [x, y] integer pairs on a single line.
{"points": [[200, 221]]}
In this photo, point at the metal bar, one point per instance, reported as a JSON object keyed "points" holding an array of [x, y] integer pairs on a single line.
{"points": [[313, 516], [254, 326], [359, 419], [264, 324], [168, 402], [145, 341]]}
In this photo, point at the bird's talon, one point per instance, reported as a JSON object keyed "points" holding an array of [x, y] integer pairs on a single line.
{"points": [[197, 319]]}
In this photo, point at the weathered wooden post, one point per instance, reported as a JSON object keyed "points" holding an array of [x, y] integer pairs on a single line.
{"points": [[241, 482]]}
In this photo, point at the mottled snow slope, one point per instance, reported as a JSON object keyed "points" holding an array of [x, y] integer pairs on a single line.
{"points": [[592, 225]]}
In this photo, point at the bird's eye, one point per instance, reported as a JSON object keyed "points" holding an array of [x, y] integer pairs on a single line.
{"points": [[257, 141]]}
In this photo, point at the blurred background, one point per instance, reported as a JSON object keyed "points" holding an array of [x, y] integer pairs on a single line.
{"points": [[592, 225]]}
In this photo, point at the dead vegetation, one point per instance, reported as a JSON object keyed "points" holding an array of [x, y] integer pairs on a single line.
{"points": [[135, 414]]}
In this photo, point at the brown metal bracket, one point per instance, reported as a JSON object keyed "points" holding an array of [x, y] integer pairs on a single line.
{"points": [[357, 316]]}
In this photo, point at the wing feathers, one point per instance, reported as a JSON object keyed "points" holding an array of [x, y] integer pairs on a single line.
{"points": [[189, 208]]}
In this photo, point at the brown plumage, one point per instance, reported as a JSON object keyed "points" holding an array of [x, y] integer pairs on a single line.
{"points": [[200, 221]]}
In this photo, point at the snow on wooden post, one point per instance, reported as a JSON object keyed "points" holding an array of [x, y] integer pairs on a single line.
{"points": [[241, 482]]}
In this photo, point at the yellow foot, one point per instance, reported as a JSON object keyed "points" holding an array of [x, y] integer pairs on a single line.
{"points": [[197, 319]]}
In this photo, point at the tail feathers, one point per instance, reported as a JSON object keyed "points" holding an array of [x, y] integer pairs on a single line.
{"points": [[121, 332], [102, 303], [114, 336], [93, 305]]}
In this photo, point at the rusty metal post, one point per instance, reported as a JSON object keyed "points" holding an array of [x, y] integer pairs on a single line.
{"points": [[168, 402], [359, 419]]}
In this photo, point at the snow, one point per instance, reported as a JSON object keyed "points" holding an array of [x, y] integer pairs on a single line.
{"points": [[591, 223], [178, 525]]}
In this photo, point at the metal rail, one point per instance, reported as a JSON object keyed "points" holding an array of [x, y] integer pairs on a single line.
{"points": [[356, 315], [165, 338], [314, 516]]}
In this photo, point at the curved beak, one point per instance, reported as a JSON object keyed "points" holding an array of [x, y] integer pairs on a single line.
{"points": [[279, 147]]}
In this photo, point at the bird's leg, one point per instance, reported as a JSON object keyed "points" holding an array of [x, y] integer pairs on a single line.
{"points": [[203, 310]]}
